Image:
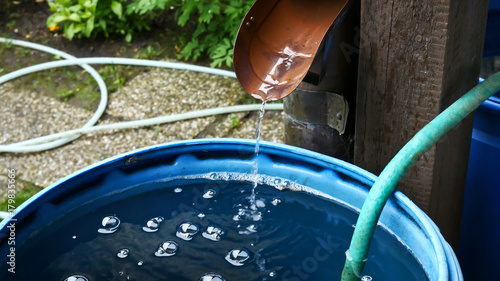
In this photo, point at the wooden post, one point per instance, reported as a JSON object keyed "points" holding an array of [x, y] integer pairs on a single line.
{"points": [[416, 58]]}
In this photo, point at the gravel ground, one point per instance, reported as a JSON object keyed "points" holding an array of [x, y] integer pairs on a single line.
{"points": [[155, 93]]}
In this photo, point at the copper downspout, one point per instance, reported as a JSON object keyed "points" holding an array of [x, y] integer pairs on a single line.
{"points": [[277, 42]]}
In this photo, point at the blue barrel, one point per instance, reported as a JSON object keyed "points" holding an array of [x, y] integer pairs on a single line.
{"points": [[480, 234], [300, 171]]}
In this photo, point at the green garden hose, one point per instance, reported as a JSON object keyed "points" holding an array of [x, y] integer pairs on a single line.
{"points": [[383, 187]]}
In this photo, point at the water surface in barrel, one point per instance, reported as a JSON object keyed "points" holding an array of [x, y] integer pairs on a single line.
{"points": [[160, 235]]}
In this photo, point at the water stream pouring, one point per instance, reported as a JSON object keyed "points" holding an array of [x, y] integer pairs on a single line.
{"points": [[272, 56]]}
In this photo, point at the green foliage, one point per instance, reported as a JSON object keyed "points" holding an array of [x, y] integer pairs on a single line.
{"points": [[90, 18], [217, 25], [216, 22]]}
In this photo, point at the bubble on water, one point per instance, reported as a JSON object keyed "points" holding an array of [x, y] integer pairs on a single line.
{"points": [[74, 237], [140, 263], [212, 277], [201, 215], [366, 278], [257, 216], [272, 274], [187, 230], [166, 249], [239, 256], [282, 185], [178, 190], [153, 224], [212, 175], [109, 225], [276, 201], [248, 214], [249, 230], [210, 193], [241, 215], [122, 253], [260, 203], [213, 233], [76, 278]]}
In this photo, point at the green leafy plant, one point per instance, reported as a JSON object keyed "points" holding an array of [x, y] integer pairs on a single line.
{"points": [[217, 25], [216, 22], [90, 18]]}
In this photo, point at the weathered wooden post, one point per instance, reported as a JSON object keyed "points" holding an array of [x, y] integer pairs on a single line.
{"points": [[416, 58]]}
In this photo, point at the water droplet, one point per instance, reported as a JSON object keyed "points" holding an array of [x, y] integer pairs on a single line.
{"points": [[122, 253], [209, 194], [201, 215], [76, 278], [248, 24], [272, 274], [212, 277], [74, 237], [178, 190], [153, 224], [276, 201], [187, 230], [110, 224], [252, 18], [140, 263], [366, 278], [239, 256], [166, 249], [213, 233]]}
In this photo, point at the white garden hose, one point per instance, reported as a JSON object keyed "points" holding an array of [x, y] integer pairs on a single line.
{"points": [[102, 87], [58, 139]]}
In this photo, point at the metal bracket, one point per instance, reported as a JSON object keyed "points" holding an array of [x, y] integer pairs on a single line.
{"points": [[337, 111]]}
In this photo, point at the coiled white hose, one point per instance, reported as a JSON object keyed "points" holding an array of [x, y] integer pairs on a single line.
{"points": [[102, 87], [58, 139]]}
